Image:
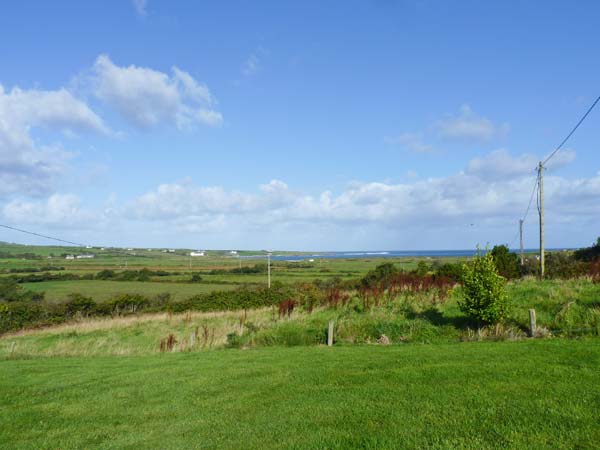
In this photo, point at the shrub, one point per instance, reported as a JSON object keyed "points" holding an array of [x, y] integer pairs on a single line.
{"points": [[590, 253], [422, 269], [564, 265], [381, 274], [128, 303], [79, 304], [484, 295], [105, 274], [196, 278], [10, 291], [506, 262], [452, 271]]}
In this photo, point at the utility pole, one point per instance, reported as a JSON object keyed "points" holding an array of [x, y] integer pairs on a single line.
{"points": [[541, 211], [269, 270], [521, 239]]}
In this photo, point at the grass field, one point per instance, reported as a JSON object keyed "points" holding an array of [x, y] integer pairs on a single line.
{"points": [[101, 290], [564, 308], [526, 395]]}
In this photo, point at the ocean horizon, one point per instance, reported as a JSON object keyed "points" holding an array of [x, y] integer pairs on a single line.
{"points": [[383, 254]]}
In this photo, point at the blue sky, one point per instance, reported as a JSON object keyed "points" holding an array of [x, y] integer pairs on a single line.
{"points": [[297, 125]]}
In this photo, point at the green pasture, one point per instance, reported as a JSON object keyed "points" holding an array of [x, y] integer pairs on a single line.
{"points": [[101, 290], [527, 395]]}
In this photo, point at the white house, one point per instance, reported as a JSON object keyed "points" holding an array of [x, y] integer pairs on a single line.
{"points": [[233, 252], [69, 257], [198, 253], [85, 256]]}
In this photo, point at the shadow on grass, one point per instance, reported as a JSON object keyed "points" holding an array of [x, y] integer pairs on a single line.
{"points": [[435, 317]]}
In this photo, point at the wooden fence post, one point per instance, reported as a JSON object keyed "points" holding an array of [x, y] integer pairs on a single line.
{"points": [[330, 334], [532, 326]]}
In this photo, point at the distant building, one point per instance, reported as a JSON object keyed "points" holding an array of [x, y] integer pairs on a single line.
{"points": [[85, 256], [198, 253], [129, 249], [233, 252], [171, 250], [88, 246], [69, 257]]}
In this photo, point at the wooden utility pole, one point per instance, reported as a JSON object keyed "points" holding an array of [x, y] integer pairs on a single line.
{"points": [[521, 239], [541, 211], [269, 270]]}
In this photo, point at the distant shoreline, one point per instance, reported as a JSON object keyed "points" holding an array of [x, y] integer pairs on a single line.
{"points": [[303, 256]]}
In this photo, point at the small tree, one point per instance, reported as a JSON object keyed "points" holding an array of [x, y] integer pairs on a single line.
{"points": [[484, 294], [506, 262]]}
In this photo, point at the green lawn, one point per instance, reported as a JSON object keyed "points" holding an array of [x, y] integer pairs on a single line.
{"points": [[103, 290], [526, 395]]}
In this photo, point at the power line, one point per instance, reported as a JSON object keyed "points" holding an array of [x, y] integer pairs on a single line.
{"points": [[41, 235], [530, 198], [572, 131]]}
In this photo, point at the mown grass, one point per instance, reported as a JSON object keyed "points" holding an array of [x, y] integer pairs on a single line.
{"points": [[526, 395]]}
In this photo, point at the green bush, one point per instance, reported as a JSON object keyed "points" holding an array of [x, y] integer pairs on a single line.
{"points": [[422, 269], [506, 262], [383, 273], [196, 278], [79, 304], [564, 265], [10, 291], [484, 290], [590, 253], [452, 271]]}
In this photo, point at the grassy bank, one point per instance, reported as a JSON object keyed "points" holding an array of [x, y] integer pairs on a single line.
{"points": [[564, 309], [534, 394]]}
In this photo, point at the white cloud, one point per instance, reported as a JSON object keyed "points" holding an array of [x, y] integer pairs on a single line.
{"points": [[58, 209], [467, 196], [415, 213], [467, 125], [26, 166], [146, 97], [140, 7], [500, 164]]}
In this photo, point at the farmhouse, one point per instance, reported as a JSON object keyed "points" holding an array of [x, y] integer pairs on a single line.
{"points": [[69, 257], [85, 256], [197, 253]]}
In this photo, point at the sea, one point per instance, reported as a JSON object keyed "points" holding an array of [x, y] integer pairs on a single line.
{"points": [[380, 254]]}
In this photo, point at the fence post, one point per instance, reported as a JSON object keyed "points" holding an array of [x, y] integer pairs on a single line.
{"points": [[532, 326], [12, 347], [330, 334]]}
